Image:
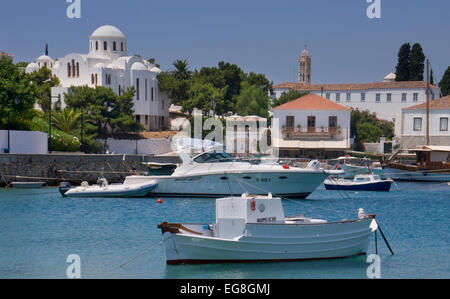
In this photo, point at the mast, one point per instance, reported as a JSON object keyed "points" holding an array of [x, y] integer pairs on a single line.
{"points": [[428, 102]]}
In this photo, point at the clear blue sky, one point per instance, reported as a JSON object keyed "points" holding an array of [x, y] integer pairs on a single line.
{"points": [[259, 35]]}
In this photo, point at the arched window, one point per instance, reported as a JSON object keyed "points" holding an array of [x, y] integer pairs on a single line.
{"points": [[96, 45], [68, 69], [105, 46], [92, 79], [121, 46], [137, 89], [73, 68], [78, 69], [114, 46]]}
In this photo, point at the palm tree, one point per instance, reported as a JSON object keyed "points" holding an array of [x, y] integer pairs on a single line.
{"points": [[182, 71], [66, 120]]}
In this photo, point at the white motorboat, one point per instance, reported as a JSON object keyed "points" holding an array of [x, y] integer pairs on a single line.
{"points": [[254, 228], [361, 182], [103, 189], [218, 174]]}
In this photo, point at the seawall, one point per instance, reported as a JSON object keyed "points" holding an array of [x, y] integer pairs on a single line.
{"points": [[75, 168]]}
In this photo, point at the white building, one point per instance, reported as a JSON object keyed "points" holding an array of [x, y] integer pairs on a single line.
{"points": [[313, 127], [386, 98], [413, 128], [108, 64]]}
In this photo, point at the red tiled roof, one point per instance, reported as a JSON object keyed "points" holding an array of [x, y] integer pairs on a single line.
{"points": [[353, 86], [438, 104], [311, 102]]}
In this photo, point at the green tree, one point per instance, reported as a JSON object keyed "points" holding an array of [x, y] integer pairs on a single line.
{"points": [[252, 101], [368, 132], [17, 96], [201, 95], [178, 91], [43, 82], [402, 70], [181, 71], [444, 84], [260, 81], [416, 63], [66, 120], [287, 97]]}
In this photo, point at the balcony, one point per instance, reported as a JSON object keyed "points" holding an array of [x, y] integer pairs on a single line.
{"points": [[311, 132]]}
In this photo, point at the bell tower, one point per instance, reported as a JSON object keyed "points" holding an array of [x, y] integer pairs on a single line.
{"points": [[304, 67]]}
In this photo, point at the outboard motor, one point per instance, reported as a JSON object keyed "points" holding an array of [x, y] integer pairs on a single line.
{"points": [[314, 164], [64, 187]]}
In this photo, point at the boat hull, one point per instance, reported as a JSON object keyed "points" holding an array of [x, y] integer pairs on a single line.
{"points": [[384, 186], [416, 176], [291, 185], [272, 242], [112, 191]]}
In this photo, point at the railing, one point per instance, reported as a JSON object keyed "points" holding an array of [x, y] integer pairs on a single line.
{"points": [[300, 132]]}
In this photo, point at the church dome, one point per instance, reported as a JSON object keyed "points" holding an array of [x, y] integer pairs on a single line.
{"points": [[305, 53], [137, 66], [108, 31], [44, 58], [155, 70]]}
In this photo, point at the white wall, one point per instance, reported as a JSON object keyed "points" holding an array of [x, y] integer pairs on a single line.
{"points": [[24, 142], [435, 116]]}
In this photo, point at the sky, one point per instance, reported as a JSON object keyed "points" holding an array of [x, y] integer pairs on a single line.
{"points": [[262, 36]]}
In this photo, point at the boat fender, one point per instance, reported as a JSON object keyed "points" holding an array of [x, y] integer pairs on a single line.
{"points": [[286, 166], [253, 205]]}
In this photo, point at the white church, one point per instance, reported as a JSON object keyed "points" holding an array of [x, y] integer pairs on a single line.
{"points": [[109, 65]]}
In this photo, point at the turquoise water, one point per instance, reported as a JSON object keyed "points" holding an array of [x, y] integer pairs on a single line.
{"points": [[39, 229]]}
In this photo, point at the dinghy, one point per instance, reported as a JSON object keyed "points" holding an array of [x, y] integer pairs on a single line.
{"points": [[27, 185], [254, 228], [361, 182], [103, 189]]}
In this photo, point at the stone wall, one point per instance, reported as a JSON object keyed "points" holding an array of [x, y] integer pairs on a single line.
{"points": [[54, 168]]}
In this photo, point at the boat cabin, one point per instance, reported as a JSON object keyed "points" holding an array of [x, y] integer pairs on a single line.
{"points": [[233, 213], [433, 157]]}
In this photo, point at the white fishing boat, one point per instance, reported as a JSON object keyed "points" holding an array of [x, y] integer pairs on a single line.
{"points": [[361, 182], [353, 166], [254, 228], [218, 174], [103, 189]]}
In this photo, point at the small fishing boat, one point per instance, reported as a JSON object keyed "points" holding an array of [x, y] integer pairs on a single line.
{"points": [[253, 228], [27, 185], [361, 182], [103, 189], [353, 166]]}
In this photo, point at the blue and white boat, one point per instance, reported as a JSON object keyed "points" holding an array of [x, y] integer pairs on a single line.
{"points": [[361, 182]]}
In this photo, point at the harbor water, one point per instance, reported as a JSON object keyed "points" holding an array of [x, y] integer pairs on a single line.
{"points": [[40, 229]]}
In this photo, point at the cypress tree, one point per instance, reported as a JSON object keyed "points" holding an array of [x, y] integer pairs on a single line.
{"points": [[444, 85], [46, 49], [416, 63], [402, 71], [431, 78]]}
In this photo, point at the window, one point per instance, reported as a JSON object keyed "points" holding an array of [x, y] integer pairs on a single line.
{"points": [[443, 124], [96, 79], [96, 45], [105, 46], [92, 79], [290, 121], [332, 122], [378, 97], [404, 97], [415, 97], [137, 89], [338, 97], [363, 96], [327, 95], [348, 96], [162, 105], [146, 120], [389, 97], [68, 69], [121, 46], [78, 69], [152, 94], [417, 124], [120, 90], [114, 46], [73, 68], [146, 89]]}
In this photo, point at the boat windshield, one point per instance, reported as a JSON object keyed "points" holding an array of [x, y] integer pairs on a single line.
{"points": [[214, 157]]}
